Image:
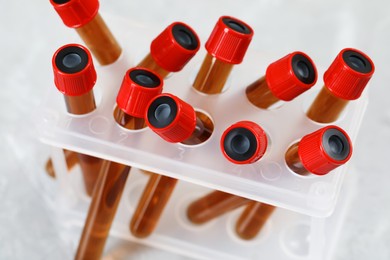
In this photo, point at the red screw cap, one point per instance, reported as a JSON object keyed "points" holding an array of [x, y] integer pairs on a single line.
{"points": [[229, 40], [76, 13], [171, 118], [349, 74], [74, 73], [244, 142], [175, 46], [325, 149], [292, 75], [138, 87]]}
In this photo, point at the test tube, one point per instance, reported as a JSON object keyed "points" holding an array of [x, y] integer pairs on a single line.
{"points": [[344, 81], [172, 49], [139, 85], [244, 142], [225, 47], [85, 18], [317, 153], [284, 80], [175, 121], [75, 76]]}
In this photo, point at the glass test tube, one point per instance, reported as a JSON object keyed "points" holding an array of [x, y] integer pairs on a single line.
{"points": [[285, 79], [75, 76], [172, 49], [175, 121], [242, 143], [85, 18], [344, 81], [225, 47], [139, 85]]}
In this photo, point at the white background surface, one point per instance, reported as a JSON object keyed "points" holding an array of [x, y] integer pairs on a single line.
{"points": [[31, 31]]}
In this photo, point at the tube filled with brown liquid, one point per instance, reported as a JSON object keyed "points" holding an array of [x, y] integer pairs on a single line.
{"points": [[344, 81], [225, 47], [175, 121], [75, 76], [139, 85], [85, 18], [172, 49], [242, 143], [284, 80]]}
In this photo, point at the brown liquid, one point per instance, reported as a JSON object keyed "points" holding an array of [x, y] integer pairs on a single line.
{"points": [[100, 40], [213, 205], [127, 121], [326, 108], [70, 159], [294, 161], [259, 94], [212, 76], [253, 219], [159, 188], [151, 205], [149, 63], [105, 200], [90, 166], [203, 130]]}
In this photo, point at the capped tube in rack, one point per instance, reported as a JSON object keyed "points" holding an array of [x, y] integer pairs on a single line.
{"points": [[225, 47], [244, 142], [176, 121], [75, 77], [85, 18], [344, 81], [138, 87], [320, 152], [285, 79], [172, 49]]}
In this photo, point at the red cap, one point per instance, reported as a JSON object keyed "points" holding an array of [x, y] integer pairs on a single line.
{"points": [[74, 73], [229, 40], [76, 13], [325, 149], [292, 75], [244, 142], [171, 118], [175, 46], [349, 74], [138, 87]]}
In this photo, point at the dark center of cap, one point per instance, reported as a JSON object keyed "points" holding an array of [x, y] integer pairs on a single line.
{"points": [[185, 37], [71, 59], [336, 144], [236, 25], [303, 69], [357, 61], [162, 111], [144, 78], [60, 1], [240, 144]]}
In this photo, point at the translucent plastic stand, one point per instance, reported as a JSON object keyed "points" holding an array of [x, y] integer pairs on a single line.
{"points": [[269, 180]]}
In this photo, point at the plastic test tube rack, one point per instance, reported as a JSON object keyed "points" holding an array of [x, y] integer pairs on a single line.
{"points": [[268, 180]]}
